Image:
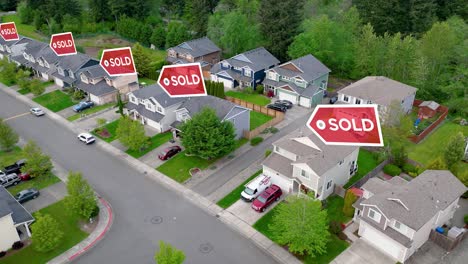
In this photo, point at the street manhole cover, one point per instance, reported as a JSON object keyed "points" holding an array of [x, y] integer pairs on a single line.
{"points": [[156, 220], [206, 248]]}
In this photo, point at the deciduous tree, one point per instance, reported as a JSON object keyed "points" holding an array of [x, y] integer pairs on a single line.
{"points": [[142, 60], [47, 234], [131, 134], [168, 254], [8, 137], [38, 164], [176, 33], [36, 87], [81, 199], [158, 37]]}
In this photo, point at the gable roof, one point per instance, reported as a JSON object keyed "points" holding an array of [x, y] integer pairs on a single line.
{"points": [[94, 71], [256, 59], [196, 104], [379, 89], [49, 55], [8, 204], [197, 47], [157, 93], [307, 67], [423, 197], [430, 104], [75, 62]]}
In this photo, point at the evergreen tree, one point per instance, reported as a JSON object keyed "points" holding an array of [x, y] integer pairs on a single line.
{"points": [[142, 60], [437, 164], [176, 33], [349, 200], [158, 37], [99, 10], [197, 13]]}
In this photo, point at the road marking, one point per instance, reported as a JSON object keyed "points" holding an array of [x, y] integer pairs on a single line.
{"points": [[16, 116]]}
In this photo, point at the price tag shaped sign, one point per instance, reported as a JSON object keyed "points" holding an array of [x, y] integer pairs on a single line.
{"points": [[63, 44], [8, 31], [118, 62]]}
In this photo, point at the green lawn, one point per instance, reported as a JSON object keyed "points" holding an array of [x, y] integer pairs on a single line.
{"points": [[178, 167], [257, 119], [24, 91], [72, 236], [54, 101], [147, 81], [38, 183], [89, 111], [233, 196], [156, 141], [111, 128], [23, 29], [335, 209], [8, 158], [253, 98], [366, 163]]}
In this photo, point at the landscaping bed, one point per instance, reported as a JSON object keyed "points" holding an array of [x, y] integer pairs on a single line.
{"points": [[257, 119], [367, 161], [234, 195], [107, 132], [54, 101], [90, 111], [154, 142], [257, 99]]}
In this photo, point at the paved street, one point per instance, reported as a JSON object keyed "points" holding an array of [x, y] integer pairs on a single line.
{"points": [[144, 211]]}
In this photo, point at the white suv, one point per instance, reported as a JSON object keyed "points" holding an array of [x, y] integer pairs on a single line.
{"points": [[86, 138], [2, 174]]}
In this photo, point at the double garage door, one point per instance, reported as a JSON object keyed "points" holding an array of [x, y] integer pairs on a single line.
{"points": [[286, 96], [384, 244], [228, 84]]}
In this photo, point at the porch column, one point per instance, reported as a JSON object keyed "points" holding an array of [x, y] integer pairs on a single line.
{"points": [[27, 229]]}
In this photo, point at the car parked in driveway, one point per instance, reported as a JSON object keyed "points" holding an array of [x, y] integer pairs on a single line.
{"points": [[278, 107], [86, 138], [24, 176], [26, 195], [15, 167], [9, 180], [83, 106], [286, 103], [267, 197], [37, 111], [255, 187], [169, 152], [333, 99]]}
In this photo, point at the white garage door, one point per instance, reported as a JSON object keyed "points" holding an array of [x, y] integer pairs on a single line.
{"points": [[153, 124], [383, 243], [227, 83], [94, 99], [58, 82], [282, 182], [286, 96], [45, 76], [304, 101]]}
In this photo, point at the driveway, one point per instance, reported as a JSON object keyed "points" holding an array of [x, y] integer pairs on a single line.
{"points": [[48, 196], [292, 114], [67, 112], [243, 210], [430, 253], [360, 252], [151, 158]]}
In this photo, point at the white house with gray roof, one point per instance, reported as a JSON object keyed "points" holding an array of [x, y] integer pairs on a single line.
{"points": [[152, 106], [397, 216], [244, 70], [301, 81], [301, 161], [14, 220]]}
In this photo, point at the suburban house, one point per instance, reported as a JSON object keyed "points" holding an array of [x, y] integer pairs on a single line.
{"points": [[5, 47], [14, 220], [152, 106], [22, 50], [45, 63], [300, 161], [244, 70], [427, 109], [378, 90], [68, 66], [201, 50], [301, 81], [397, 216]]}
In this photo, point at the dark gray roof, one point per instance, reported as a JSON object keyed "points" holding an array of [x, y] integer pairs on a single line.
{"points": [[66, 79], [196, 104], [49, 55], [235, 111], [34, 48], [157, 93], [256, 59], [197, 47], [424, 196], [141, 109], [308, 68], [95, 71], [98, 89], [8, 204], [234, 75], [390, 232], [74, 62], [309, 91]]}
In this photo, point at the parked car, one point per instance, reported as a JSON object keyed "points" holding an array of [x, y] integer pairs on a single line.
{"points": [[2, 174], [24, 176], [26, 195], [15, 167], [83, 106], [9, 180], [286, 103], [277, 107], [267, 197], [255, 187], [333, 99], [86, 138], [37, 111], [169, 152]]}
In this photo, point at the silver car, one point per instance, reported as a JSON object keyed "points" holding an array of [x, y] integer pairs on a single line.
{"points": [[37, 111]]}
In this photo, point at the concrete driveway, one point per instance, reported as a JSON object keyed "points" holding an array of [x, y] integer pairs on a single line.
{"points": [[67, 112], [151, 158], [430, 253], [360, 252], [243, 210], [294, 113], [48, 196]]}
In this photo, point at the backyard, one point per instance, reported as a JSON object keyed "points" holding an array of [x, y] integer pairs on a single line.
{"points": [[257, 119], [155, 142], [252, 98], [233, 196], [90, 111], [54, 101], [366, 162], [69, 224], [107, 132], [424, 123]]}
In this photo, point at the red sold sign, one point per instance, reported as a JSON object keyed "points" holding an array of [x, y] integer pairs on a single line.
{"points": [[182, 80], [63, 44], [8, 31], [355, 125], [118, 61]]}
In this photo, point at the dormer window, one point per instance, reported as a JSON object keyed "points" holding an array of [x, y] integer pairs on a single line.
{"points": [[374, 215], [358, 101], [25, 56], [248, 73], [46, 64], [159, 109], [60, 71], [71, 74], [84, 78], [40, 62]]}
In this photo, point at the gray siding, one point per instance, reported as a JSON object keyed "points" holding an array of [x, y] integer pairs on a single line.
{"points": [[319, 80], [241, 122], [407, 103]]}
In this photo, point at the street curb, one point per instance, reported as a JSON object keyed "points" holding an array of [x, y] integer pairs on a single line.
{"points": [[236, 224]]}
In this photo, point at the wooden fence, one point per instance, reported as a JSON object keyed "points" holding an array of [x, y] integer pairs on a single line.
{"points": [[277, 116], [446, 242], [442, 110], [369, 175]]}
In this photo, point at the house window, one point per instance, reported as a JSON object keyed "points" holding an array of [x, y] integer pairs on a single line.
{"points": [[237, 69], [346, 98], [341, 162], [397, 225], [248, 73], [133, 100], [374, 215], [329, 184], [71, 74], [83, 78], [304, 174], [25, 56], [369, 102], [358, 101], [159, 109]]}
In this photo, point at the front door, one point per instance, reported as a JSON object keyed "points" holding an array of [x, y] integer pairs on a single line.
{"points": [[295, 187]]}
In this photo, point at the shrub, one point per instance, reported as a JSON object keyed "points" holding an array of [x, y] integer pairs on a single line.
{"points": [[267, 152], [413, 174], [274, 130], [270, 93], [349, 199], [335, 227], [248, 90], [255, 141], [260, 89], [391, 170], [342, 236], [17, 245], [407, 167], [95, 212], [78, 95], [2, 253], [466, 219]]}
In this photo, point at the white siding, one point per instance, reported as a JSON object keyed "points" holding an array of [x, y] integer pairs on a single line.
{"points": [[447, 214], [304, 101], [8, 233], [153, 124], [45, 76], [286, 96], [382, 242], [285, 153], [95, 99], [59, 82], [313, 179], [276, 178]]}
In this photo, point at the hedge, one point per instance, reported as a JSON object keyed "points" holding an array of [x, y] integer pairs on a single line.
{"points": [[255, 141], [392, 170]]}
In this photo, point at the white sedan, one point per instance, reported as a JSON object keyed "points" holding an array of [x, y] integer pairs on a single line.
{"points": [[37, 111], [86, 138]]}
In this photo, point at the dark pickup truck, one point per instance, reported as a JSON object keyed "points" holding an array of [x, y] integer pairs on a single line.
{"points": [[15, 168]]}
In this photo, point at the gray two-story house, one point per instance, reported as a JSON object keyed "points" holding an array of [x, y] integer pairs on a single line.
{"points": [[153, 107], [244, 70], [301, 81], [45, 64], [5, 47], [68, 66]]}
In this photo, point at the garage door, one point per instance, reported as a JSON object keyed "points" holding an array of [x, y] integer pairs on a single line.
{"points": [[94, 99], [45, 76], [286, 96], [383, 243], [304, 101], [58, 82], [282, 182], [227, 83]]}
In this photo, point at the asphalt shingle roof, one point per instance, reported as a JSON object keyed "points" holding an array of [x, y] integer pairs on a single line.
{"points": [[308, 68], [8, 204], [197, 47], [256, 59], [98, 89], [196, 104], [157, 93]]}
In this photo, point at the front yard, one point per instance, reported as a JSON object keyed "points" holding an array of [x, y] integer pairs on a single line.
{"points": [[155, 142], [257, 119], [43, 84], [107, 132], [69, 224], [366, 162], [146, 81], [252, 98], [90, 111], [54, 101], [233, 196]]}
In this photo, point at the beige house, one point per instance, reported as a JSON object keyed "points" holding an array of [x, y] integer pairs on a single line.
{"points": [[201, 50]]}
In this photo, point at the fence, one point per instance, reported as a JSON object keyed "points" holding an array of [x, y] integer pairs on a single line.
{"points": [[442, 110], [277, 116], [446, 242], [369, 175]]}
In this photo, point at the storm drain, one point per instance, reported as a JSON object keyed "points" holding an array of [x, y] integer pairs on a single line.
{"points": [[154, 220], [205, 248]]}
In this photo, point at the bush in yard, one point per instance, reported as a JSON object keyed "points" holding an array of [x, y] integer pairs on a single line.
{"points": [[255, 141], [259, 89], [274, 130], [22, 79], [248, 90], [2, 254], [168, 254], [342, 236], [131, 134], [78, 95], [267, 152], [335, 227], [81, 199], [38, 164], [437, 164], [270, 93], [349, 199], [8, 72], [17, 245], [391, 170], [400, 155], [455, 150], [47, 234], [408, 167], [36, 87], [8, 137]]}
